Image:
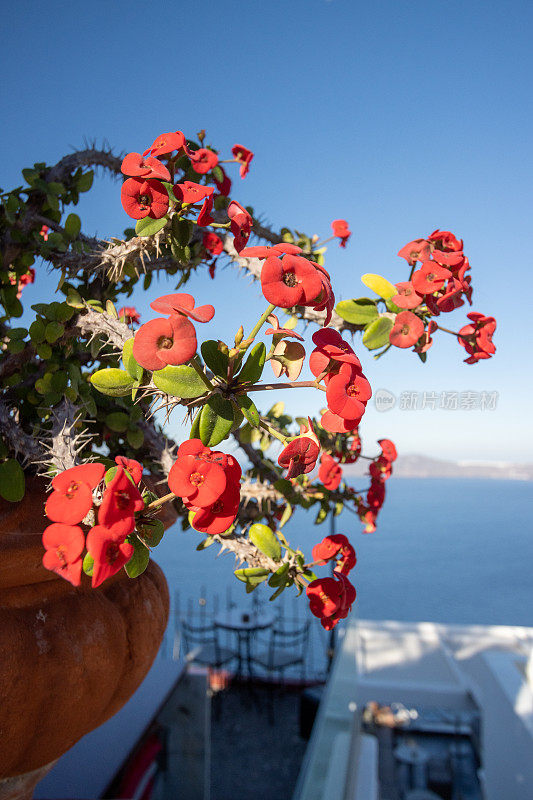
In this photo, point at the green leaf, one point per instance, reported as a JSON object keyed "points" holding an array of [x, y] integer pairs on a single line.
{"points": [[181, 381], [139, 560], [265, 540], [54, 331], [72, 226], [287, 514], [277, 409], [216, 420], [207, 542], [74, 299], [195, 427], [279, 577], [182, 230], [85, 181], [252, 576], [113, 382], [150, 532], [253, 366], [118, 421], [149, 226], [217, 174], [377, 333], [379, 285], [249, 409], [12, 482], [322, 514], [357, 312], [88, 564], [216, 360], [135, 437], [278, 591], [132, 367]]}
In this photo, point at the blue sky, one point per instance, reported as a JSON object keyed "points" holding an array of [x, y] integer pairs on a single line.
{"points": [[400, 118]]}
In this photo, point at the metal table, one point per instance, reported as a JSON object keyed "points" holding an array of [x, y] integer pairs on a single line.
{"points": [[244, 624]]}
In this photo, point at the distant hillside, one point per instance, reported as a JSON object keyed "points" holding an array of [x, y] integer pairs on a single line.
{"points": [[419, 466]]}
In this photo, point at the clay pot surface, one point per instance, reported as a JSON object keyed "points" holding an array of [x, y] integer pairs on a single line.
{"points": [[70, 657]]}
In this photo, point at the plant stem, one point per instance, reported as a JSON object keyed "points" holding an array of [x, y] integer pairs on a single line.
{"points": [[196, 364], [266, 387], [273, 432], [160, 501], [447, 330], [257, 327]]}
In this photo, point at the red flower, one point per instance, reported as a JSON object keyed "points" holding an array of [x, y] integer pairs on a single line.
{"points": [[223, 186], [212, 243], [348, 598], [130, 314], [407, 329], [24, 280], [279, 333], [476, 338], [144, 198], [134, 468], [388, 449], [445, 241], [109, 551], [44, 232], [136, 165], [430, 277], [331, 599], [262, 251], [332, 546], [64, 545], [219, 516], [340, 229], [380, 469], [120, 502], [199, 481], [406, 297], [241, 225], [290, 281], [348, 392], [330, 346], [330, 473], [191, 193], [164, 341], [368, 516], [418, 250], [166, 143], [183, 303], [300, 455], [72, 497], [375, 497], [335, 424], [204, 217], [203, 160], [243, 156]]}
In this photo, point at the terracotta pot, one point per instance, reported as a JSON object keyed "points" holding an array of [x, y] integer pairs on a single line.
{"points": [[69, 657]]}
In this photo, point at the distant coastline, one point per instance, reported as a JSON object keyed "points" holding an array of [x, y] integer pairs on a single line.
{"points": [[419, 466]]}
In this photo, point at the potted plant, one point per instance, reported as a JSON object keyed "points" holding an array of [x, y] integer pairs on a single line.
{"points": [[88, 478]]}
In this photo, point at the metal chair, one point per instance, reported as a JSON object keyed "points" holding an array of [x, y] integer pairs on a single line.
{"points": [[202, 646], [287, 648]]}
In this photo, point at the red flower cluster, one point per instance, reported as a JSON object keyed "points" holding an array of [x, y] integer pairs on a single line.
{"points": [[172, 340], [476, 337], [208, 482], [348, 391], [203, 160], [23, 280], [336, 545], [330, 473], [331, 599], [440, 284], [129, 314], [243, 156], [213, 243], [70, 502], [144, 198], [300, 456], [340, 228], [380, 470]]}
